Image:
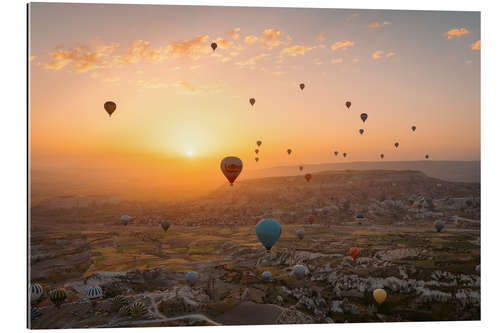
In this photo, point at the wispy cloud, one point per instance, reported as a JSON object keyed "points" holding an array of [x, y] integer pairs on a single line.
{"points": [[141, 50], [342, 45], [476, 45], [111, 79], [252, 60], [296, 50], [377, 54], [235, 33], [320, 36], [251, 39], [192, 48], [337, 61], [390, 54], [271, 38], [456, 33], [378, 25]]}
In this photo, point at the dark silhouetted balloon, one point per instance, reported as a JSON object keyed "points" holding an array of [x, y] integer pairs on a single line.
{"points": [[268, 232], [396, 144], [348, 104], [336, 153], [256, 159], [363, 116], [302, 86], [289, 151], [252, 101], [426, 157], [382, 156], [344, 154], [259, 143], [439, 225], [413, 128], [361, 131], [165, 225], [308, 177], [301, 168], [256, 151], [231, 167], [214, 46], [110, 107]]}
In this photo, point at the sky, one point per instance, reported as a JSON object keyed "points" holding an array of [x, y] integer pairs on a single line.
{"points": [[182, 107]]}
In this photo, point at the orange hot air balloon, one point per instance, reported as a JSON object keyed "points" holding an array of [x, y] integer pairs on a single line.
{"points": [[348, 104], [308, 177], [354, 252], [110, 107], [231, 167], [311, 219], [379, 295], [252, 101]]}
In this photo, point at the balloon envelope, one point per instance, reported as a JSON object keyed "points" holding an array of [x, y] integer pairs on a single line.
{"points": [[348, 104], [336, 153], [231, 167], [439, 225], [354, 252], [289, 151], [110, 107], [165, 225], [299, 271], [379, 295], [344, 154], [396, 144], [413, 128], [364, 116], [259, 143], [382, 156], [300, 233], [308, 177], [213, 46], [252, 101], [302, 86], [192, 277], [361, 131], [268, 232], [125, 219], [301, 168], [256, 159], [267, 276]]}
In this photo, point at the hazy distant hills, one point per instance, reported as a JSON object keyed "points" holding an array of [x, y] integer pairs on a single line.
{"points": [[458, 171]]}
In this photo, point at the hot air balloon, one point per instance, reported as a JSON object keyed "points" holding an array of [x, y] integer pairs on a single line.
{"points": [[308, 177], [267, 276], [301, 168], [231, 167], [439, 225], [379, 295], [110, 107], [361, 131], [413, 128], [36, 291], [354, 252], [165, 225], [348, 104], [289, 151], [118, 302], [252, 101], [192, 277], [426, 157], [125, 219], [256, 159], [310, 219], [214, 46], [344, 154], [300, 233], [396, 144], [57, 297], [268, 232], [382, 156], [363, 116], [94, 292], [256, 151], [34, 313], [138, 309], [336, 153], [259, 143], [302, 86], [299, 271]]}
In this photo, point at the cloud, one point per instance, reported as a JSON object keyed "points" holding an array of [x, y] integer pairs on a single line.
{"points": [[317, 61], [476, 45], [456, 32], [320, 36], [192, 48], [296, 50], [390, 54], [253, 60], [468, 62], [337, 61], [377, 54], [378, 25], [84, 58], [141, 50], [355, 60], [251, 39], [223, 43], [270, 38], [111, 79], [151, 84], [235, 33], [343, 45]]}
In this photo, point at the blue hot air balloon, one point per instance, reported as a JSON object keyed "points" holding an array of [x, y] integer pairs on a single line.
{"points": [[267, 276], [439, 225], [268, 232]]}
